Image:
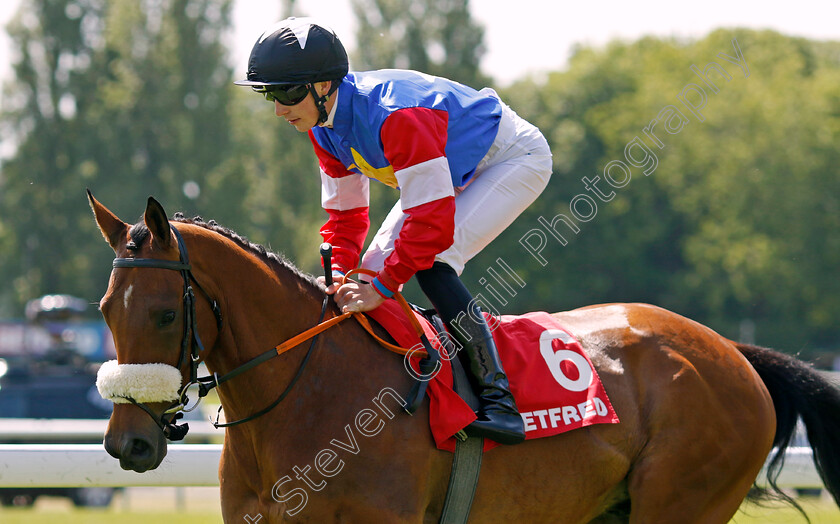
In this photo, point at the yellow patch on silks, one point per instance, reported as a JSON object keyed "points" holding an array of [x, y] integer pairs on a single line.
{"points": [[383, 174], [141, 382]]}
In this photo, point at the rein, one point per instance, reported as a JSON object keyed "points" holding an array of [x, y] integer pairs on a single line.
{"points": [[205, 384], [192, 347]]}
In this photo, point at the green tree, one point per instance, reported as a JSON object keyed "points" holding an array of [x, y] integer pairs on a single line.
{"points": [[438, 37], [734, 224], [127, 98]]}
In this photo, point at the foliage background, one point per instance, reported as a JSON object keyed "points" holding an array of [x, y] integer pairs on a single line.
{"points": [[736, 228]]}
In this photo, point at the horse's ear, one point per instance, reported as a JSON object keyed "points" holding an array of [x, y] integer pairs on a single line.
{"points": [[157, 223], [113, 229]]}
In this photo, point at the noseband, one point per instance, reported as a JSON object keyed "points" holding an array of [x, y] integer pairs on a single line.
{"points": [[191, 346]]}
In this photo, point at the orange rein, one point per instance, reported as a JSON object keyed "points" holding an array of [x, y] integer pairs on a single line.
{"points": [[362, 319]]}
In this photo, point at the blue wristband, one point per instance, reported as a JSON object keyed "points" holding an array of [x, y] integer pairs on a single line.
{"points": [[380, 287]]}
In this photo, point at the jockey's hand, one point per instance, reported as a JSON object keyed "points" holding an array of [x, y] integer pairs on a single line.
{"points": [[355, 297], [333, 287]]}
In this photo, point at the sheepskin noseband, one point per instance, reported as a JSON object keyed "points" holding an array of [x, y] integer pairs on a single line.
{"points": [[142, 382]]}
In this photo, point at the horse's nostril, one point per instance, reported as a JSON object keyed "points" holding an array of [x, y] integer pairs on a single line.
{"points": [[139, 453], [140, 448]]}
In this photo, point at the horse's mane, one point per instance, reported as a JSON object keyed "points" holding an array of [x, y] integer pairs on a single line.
{"points": [[276, 262]]}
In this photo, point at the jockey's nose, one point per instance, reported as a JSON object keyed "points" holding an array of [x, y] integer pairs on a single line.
{"points": [[280, 109]]}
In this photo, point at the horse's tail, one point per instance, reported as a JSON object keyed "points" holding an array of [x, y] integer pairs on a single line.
{"points": [[799, 391]]}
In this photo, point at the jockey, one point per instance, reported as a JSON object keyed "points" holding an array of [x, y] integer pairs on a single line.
{"points": [[465, 165]]}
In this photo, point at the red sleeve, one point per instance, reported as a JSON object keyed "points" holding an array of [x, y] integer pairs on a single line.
{"points": [[346, 231], [414, 135], [428, 231], [411, 137]]}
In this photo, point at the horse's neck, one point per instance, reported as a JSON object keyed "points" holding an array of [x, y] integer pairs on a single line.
{"points": [[345, 372], [261, 306], [261, 300]]}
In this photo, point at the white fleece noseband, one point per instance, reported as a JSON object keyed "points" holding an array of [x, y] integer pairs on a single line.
{"points": [[142, 382]]}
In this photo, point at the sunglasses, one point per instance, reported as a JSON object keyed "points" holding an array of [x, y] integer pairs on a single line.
{"points": [[285, 95]]}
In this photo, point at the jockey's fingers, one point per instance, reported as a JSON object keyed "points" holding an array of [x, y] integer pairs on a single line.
{"points": [[332, 287], [353, 306], [345, 294]]}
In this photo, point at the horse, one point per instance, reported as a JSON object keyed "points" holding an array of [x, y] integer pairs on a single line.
{"points": [[699, 413]]}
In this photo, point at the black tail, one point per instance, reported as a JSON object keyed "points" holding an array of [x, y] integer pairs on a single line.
{"points": [[799, 391]]}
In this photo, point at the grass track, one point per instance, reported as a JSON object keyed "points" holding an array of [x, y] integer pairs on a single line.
{"points": [[821, 511], [87, 516]]}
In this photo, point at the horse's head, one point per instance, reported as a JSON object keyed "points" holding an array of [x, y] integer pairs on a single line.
{"points": [[150, 309]]}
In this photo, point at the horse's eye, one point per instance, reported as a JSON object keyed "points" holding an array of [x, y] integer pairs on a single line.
{"points": [[167, 318]]}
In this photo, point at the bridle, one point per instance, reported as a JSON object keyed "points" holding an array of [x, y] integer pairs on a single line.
{"points": [[192, 347]]}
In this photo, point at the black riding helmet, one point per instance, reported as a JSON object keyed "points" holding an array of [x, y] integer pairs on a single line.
{"points": [[297, 51]]}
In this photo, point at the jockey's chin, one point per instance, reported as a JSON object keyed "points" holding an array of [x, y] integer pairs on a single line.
{"points": [[303, 116]]}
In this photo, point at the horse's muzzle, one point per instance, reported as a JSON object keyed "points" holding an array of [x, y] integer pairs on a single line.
{"points": [[136, 452]]}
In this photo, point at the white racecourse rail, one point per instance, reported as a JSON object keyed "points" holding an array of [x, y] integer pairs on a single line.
{"points": [[71, 465], [68, 430], [82, 465]]}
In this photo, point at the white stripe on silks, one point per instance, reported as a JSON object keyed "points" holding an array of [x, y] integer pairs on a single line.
{"points": [[424, 182], [348, 192], [142, 382]]}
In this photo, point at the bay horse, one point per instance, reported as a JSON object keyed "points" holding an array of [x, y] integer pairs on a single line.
{"points": [[699, 413]]}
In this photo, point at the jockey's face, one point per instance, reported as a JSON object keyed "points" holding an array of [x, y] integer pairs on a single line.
{"points": [[304, 115]]}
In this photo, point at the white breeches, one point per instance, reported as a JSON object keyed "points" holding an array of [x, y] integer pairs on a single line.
{"points": [[508, 179]]}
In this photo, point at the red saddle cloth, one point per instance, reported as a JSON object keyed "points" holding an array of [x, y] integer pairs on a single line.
{"points": [[553, 381]]}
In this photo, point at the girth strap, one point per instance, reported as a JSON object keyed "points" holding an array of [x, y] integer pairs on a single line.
{"points": [[466, 466]]}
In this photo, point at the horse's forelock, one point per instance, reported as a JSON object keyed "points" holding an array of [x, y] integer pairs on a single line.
{"points": [[138, 233]]}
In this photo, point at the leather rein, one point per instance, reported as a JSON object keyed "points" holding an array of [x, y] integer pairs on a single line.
{"points": [[192, 347]]}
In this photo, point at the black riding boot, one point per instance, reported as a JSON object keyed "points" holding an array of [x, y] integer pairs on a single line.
{"points": [[498, 418]]}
